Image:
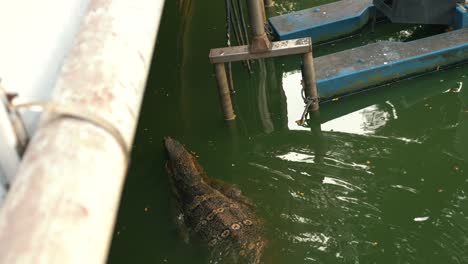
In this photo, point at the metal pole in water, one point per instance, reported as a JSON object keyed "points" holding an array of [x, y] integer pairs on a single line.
{"points": [[260, 42], [310, 85], [262, 8], [62, 205], [224, 94]]}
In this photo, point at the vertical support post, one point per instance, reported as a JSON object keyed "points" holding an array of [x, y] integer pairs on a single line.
{"points": [[316, 129], [224, 94], [262, 8], [260, 42], [310, 85]]}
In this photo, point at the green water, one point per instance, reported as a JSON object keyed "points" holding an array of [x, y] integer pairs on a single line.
{"points": [[383, 179]]}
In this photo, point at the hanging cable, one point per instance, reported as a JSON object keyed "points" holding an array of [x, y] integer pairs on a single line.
{"points": [[244, 29], [236, 23], [228, 37], [237, 27]]}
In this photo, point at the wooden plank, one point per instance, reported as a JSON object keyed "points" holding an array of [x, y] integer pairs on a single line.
{"points": [[279, 48]]}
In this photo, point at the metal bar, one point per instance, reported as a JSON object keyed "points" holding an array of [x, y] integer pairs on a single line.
{"points": [[310, 84], [62, 206], [223, 89], [279, 48], [260, 41]]}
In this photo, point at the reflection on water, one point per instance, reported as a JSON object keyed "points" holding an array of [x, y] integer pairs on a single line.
{"points": [[364, 121], [378, 194], [379, 177], [291, 83], [324, 213]]}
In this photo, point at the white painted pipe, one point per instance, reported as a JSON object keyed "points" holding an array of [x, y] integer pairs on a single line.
{"points": [[35, 38], [62, 206]]}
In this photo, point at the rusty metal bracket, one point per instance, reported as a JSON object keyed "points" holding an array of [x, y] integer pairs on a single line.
{"points": [[279, 48], [17, 124]]}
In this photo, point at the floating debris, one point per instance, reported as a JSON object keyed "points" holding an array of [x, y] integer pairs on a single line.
{"points": [[421, 219], [406, 188]]}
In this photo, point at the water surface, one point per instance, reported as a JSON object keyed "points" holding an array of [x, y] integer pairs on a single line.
{"points": [[379, 177]]}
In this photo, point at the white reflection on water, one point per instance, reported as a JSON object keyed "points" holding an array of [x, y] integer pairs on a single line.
{"points": [[313, 237], [358, 202], [366, 121], [406, 188], [341, 183], [273, 171], [298, 157], [295, 105], [310, 158], [362, 122]]}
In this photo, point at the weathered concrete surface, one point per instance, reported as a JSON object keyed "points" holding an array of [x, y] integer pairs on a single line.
{"points": [[63, 204]]}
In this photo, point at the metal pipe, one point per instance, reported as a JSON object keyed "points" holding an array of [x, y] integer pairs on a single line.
{"points": [[255, 17], [260, 41], [262, 9], [40, 53], [62, 206], [223, 89], [310, 85]]}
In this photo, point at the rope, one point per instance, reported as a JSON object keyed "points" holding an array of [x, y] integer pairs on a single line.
{"points": [[309, 101], [59, 110], [75, 112]]}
